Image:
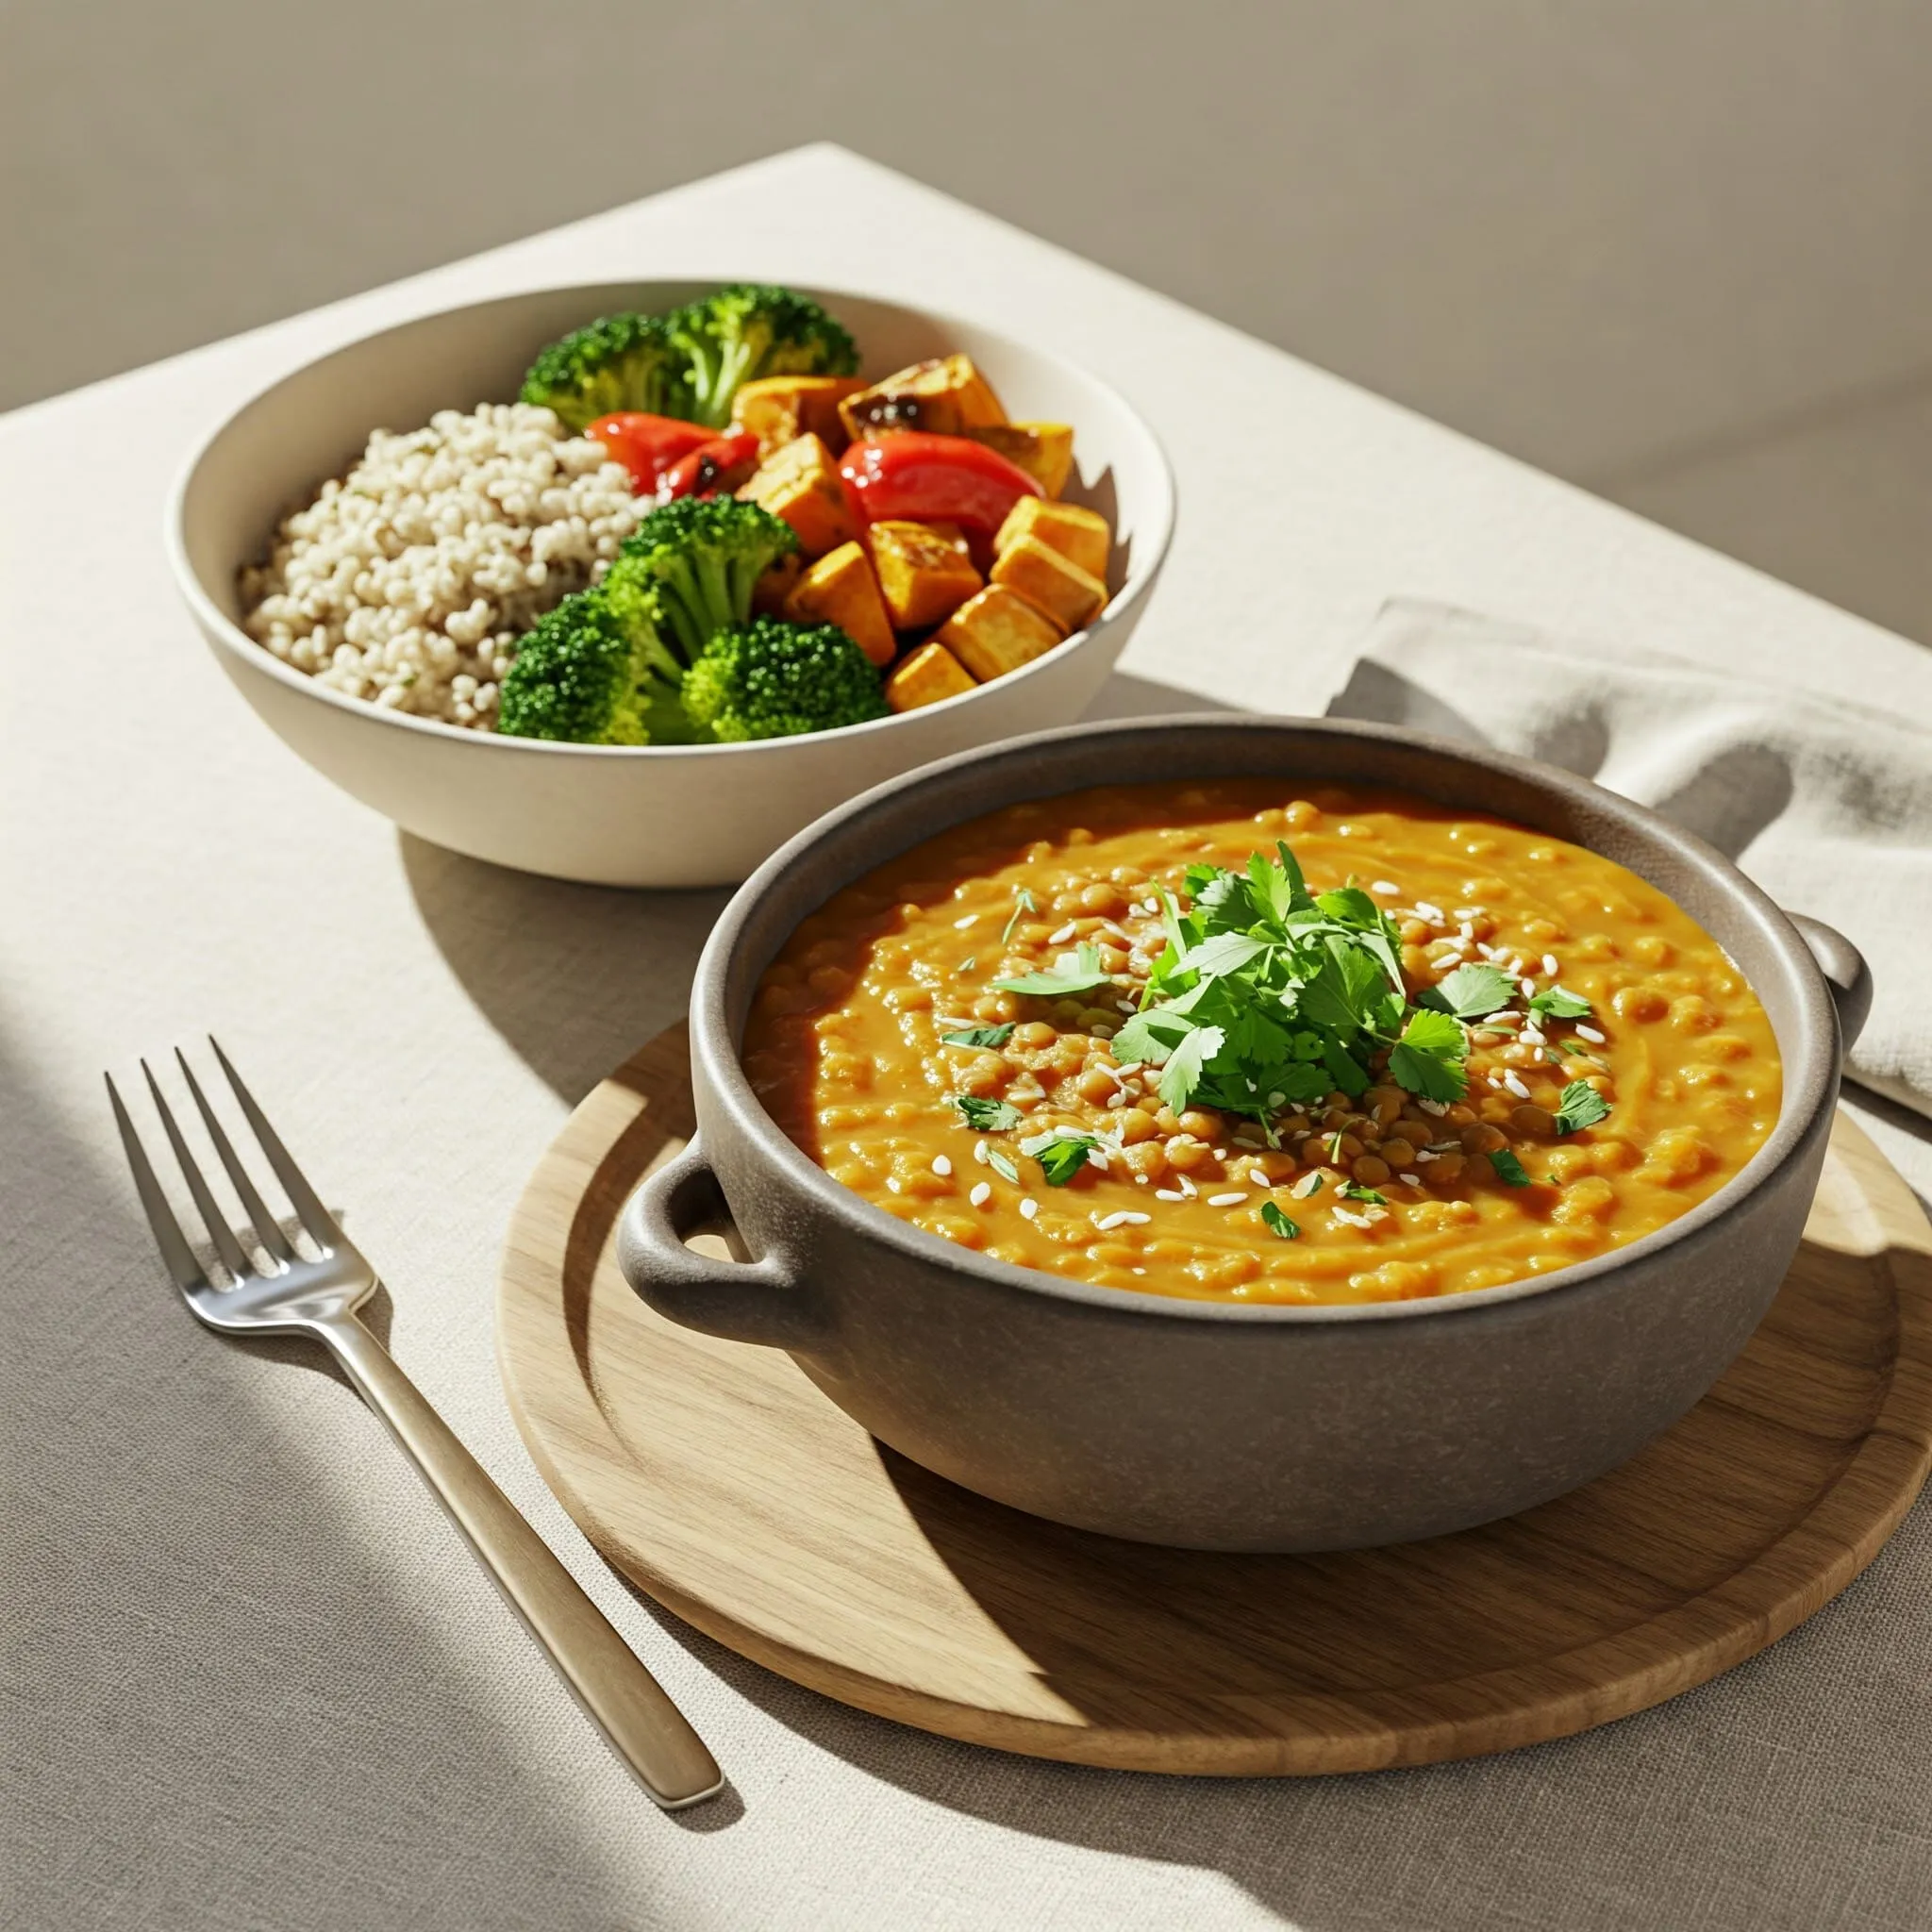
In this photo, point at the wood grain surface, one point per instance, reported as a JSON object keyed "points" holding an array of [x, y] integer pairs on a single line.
{"points": [[717, 1479]]}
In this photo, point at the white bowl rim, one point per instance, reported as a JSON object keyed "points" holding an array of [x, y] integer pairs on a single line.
{"points": [[217, 623]]}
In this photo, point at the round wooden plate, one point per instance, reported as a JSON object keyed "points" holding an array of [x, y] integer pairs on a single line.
{"points": [[716, 1477]]}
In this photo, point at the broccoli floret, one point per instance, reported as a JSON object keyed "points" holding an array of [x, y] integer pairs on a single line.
{"points": [[595, 671], [617, 362], [751, 330], [771, 679], [699, 561]]}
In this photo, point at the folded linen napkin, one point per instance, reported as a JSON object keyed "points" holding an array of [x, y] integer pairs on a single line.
{"points": [[1826, 805]]}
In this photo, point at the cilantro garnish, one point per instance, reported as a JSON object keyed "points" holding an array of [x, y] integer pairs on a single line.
{"points": [[979, 1036], [1471, 993], [1083, 976], [1060, 1152], [1002, 1166], [1350, 1190], [968, 963], [1575, 1048], [1023, 902], [1274, 1219], [1581, 1105], [988, 1116], [1509, 1170], [1427, 1059], [1559, 1002]]}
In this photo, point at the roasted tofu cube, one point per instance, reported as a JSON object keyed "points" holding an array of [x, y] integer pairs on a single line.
{"points": [[922, 576], [948, 395], [929, 674], [802, 484], [998, 631], [778, 409], [1043, 450], [1051, 579], [1080, 535], [841, 589]]}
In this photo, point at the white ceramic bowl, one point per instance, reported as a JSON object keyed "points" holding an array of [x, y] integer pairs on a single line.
{"points": [[610, 815]]}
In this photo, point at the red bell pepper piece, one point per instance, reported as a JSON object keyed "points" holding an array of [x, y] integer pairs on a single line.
{"points": [[720, 464], [648, 445], [921, 478]]}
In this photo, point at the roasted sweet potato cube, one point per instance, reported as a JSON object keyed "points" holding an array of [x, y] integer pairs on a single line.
{"points": [[1051, 579], [1043, 450], [802, 484], [777, 409], [946, 394], [841, 589], [928, 675], [769, 593], [1080, 535], [998, 631], [922, 576]]}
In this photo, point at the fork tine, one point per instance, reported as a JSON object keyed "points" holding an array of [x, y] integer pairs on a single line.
{"points": [[219, 1232], [173, 1244], [273, 1239], [307, 1203]]}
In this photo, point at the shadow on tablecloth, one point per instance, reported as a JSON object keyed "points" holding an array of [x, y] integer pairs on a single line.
{"points": [[252, 1675]]}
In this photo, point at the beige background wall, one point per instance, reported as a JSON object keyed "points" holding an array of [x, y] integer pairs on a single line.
{"points": [[1679, 251]]}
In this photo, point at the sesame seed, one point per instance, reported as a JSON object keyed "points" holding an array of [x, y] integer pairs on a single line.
{"points": [[1221, 1154], [1432, 1107], [1140, 1271], [1503, 1020], [981, 1151], [1516, 1086], [1528, 986], [981, 1194], [1306, 1186], [941, 1166], [1122, 1218], [1465, 931], [1385, 889], [1540, 1054], [1343, 1214], [1188, 1189], [1168, 1194], [1117, 1098], [1415, 1180], [1063, 935], [1150, 905], [1429, 915], [1225, 1200], [1029, 1207], [1139, 1180], [892, 1184], [1549, 965], [1423, 1154], [1469, 912], [960, 924], [1591, 1033]]}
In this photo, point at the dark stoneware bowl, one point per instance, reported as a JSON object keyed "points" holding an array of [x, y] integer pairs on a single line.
{"points": [[1205, 1425]]}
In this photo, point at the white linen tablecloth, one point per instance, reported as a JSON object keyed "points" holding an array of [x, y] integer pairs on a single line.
{"points": [[250, 1677]]}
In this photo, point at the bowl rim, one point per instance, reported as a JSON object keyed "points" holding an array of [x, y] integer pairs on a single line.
{"points": [[1809, 1085], [218, 626]]}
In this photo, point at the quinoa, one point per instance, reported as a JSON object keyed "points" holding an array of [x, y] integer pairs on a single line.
{"points": [[408, 582]]}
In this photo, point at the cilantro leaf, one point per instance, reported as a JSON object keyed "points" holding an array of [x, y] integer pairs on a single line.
{"points": [[1182, 1074], [1581, 1105], [1509, 1169], [1002, 1166], [988, 1116], [1559, 1002], [1351, 1190], [979, 1036], [1023, 902], [1349, 1078], [1148, 1038], [1083, 976], [1471, 992], [1276, 1220], [1061, 1154], [967, 964], [1225, 953], [1427, 1059]]}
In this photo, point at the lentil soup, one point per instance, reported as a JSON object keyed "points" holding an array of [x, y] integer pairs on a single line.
{"points": [[1600, 1064]]}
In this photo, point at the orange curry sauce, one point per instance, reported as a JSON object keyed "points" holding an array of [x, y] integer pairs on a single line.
{"points": [[844, 1047]]}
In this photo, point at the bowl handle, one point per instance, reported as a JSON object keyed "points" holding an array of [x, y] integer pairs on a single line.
{"points": [[758, 1301], [1846, 975]]}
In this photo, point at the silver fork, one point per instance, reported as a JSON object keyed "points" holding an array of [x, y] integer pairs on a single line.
{"points": [[319, 1298]]}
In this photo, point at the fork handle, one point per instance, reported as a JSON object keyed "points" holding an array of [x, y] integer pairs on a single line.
{"points": [[648, 1731]]}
